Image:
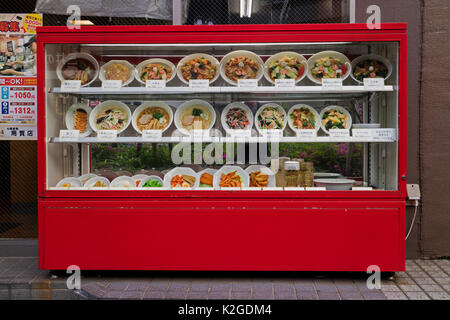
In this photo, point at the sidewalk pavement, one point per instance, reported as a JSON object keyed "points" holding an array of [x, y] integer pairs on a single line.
{"points": [[20, 278]]}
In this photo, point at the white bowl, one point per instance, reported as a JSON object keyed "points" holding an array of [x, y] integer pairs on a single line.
{"points": [[335, 184], [325, 54], [366, 125], [146, 105], [74, 183], [213, 60], [262, 131], [338, 108], [239, 53], [264, 170], [138, 178], [123, 182], [326, 175], [239, 105], [90, 183], [188, 104], [298, 106], [144, 180], [102, 74], [140, 66], [78, 55], [107, 104], [245, 179], [85, 177], [209, 171], [376, 57], [70, 118], [280, 55], [181, 171]]}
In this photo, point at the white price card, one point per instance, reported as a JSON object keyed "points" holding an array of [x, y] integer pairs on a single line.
{"points": [[106, 134], [339, 133], [199, 134], [155, 84], [112, 85], [315, 189], [373, 84], [272, 134], [247, 83], [362, 133], [332, 84], [199, 84], [384, 134], [69, 135], [284, 83], [151, 134], [362, 188], [306, 134], [237, 133], [70, 86]]}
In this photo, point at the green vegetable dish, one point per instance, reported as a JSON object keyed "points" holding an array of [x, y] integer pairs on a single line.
{"points": [[334, 119], [152, 183], [286, 68], [271, 118]]}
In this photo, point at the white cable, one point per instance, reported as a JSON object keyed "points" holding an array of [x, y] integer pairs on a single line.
{"points": [[414, 218]]}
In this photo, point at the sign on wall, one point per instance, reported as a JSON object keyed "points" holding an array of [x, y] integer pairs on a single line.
{"points": [[18, 76]]}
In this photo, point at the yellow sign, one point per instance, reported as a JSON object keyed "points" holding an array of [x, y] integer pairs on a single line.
{"points": [[31, 21]]}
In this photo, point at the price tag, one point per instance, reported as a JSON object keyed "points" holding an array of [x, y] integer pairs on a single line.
{"points": [[199, 134], [151, 134], [237, 133], [315, 189], [155, 84], [69, 135], [284, 83], [272, 134], [332, 84], [362, 133], [339, 133], [247, 83], [384, 134], [112, 85], [71, 86], [306, 134], [362, 188], [199, 84], [373, 84], [107, 134]]}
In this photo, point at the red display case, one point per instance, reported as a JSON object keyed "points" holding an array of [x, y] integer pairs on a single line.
{"points": [[290, 229]]}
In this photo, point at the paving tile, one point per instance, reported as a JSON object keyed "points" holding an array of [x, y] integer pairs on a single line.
{"points": [[390, 288], [442, 280], [157, 295], [219, 295], [113, 294], [159, 285], [118, 285], [410, 287], [304, 285], [346, 287], [424, 281], [60, 294], [180, 295], [327, 295], [351, 295], [197, 286], [405, 281], [197, 295], [240, 295], [431, 287], [374, 295], [325, 285], [307, 295], [263, 287], [241, 287], [179, 285], [439, 274], [137, 286], [132, 295], [439, 295], [285, 295], [417, 295], [220, 286], [401, 274], [414, 274], [4, 294], [20, 294], [262, 296], [446, 287], [395, 296]]}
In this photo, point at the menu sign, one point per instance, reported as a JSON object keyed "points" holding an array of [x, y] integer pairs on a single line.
{"points": [[18, 82]]}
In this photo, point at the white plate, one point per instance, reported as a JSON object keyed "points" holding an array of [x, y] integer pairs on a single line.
{"points": [[78, 55], [74, 183], [238, 53], [245, 180], [146, 105], [326, 175], [123, 182], [298, 106], [107, 104], [280, 55], [239, 105], [324, 54], [70, 118], [180, 171], [140, 66], [366, 125], [348, 123], [335, 184], [138, 178], [144, 180], [90, 183], [85, 177], [264, 170], [376, 57], [213, 61], [102, 74], [188, 104], [207, 170], [265, 106]]}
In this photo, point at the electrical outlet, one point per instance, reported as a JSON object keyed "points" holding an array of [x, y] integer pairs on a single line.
{"points": [[413, 191]]}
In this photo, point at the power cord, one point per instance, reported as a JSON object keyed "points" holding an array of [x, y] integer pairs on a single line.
{"points": [[416, 205]]}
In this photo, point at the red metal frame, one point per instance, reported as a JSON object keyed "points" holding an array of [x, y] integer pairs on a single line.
{"points": [[377, 222]]}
